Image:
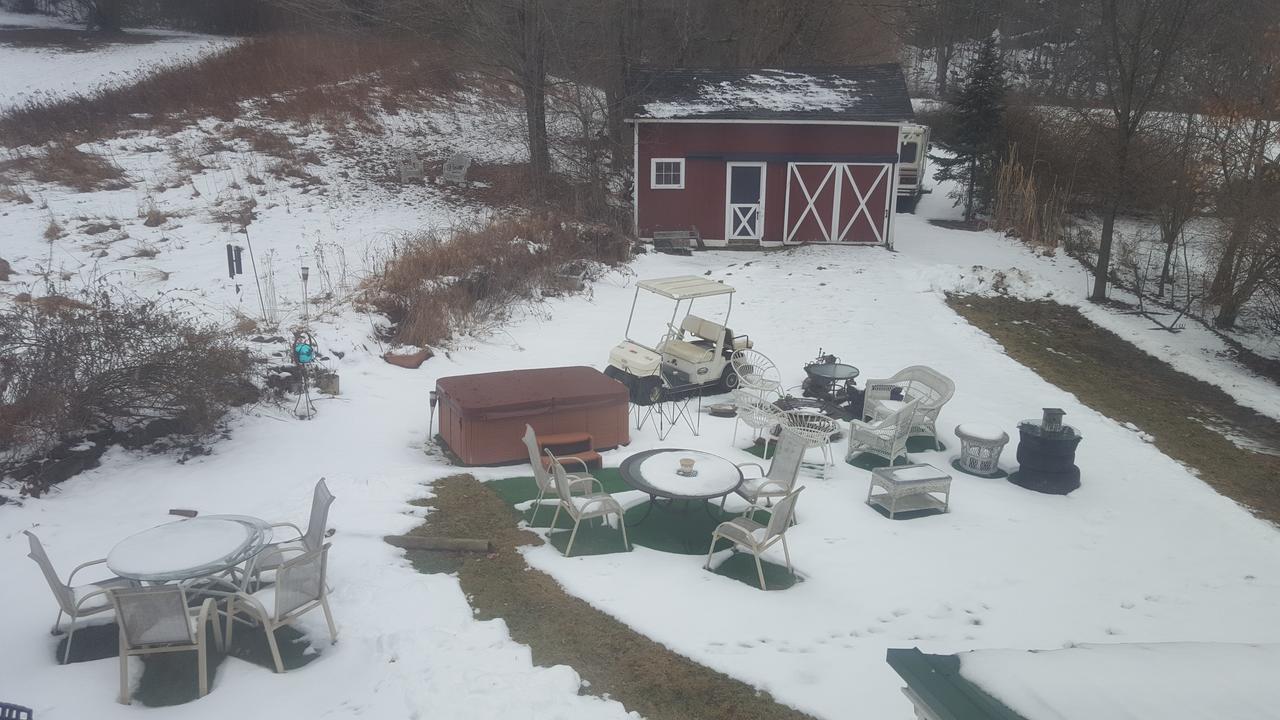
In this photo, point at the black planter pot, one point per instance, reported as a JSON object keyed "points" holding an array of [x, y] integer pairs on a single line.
{"points": [[1046, 461]]}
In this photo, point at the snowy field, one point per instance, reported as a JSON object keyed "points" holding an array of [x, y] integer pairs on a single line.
{"points": [[1143, 552], [28, 73]]}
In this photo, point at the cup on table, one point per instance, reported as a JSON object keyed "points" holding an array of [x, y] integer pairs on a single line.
{"points": [[686, 466]]}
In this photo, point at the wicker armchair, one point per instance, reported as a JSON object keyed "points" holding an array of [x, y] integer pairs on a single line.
{"points": [[930, 388], [886, 437]]}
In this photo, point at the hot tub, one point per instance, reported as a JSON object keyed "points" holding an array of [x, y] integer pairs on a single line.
{"points": [[482, 416]]}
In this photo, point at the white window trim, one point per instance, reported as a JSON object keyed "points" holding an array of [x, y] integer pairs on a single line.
{"points": [[653, 174]]}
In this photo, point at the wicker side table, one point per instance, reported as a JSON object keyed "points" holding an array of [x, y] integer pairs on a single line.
{"points": [[980, 448], [909, 488]]}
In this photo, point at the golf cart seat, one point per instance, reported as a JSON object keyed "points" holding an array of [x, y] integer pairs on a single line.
{"points": [[687, 351], [701, 346]]}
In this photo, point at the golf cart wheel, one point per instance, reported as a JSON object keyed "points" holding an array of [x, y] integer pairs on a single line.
{"points": [[730, 380], [649, 391]]}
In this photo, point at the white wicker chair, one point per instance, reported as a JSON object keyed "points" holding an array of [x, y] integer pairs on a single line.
{"points": [[546, 484], [886, 437], [755, 538], [758, 414], [781, 477], [274, 555], [592, 504], [924, 384], [815, 429], [77, 601], [300, 587], [756, 372], [158, 620]]}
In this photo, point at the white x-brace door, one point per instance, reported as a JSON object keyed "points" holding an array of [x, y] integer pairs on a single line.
{"points": [[744, 200], [824, 193]]}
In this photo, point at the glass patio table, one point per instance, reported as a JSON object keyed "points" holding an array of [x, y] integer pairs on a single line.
{"points": [[189, 549], [656, 473]]}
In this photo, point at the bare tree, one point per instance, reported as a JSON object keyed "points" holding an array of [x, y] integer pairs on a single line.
{"points": [[1135, 45]]}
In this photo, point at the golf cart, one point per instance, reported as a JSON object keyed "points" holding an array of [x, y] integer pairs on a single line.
{"points": [[692, 357]]}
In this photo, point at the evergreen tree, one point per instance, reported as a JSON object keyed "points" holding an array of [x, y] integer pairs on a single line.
{"points": [[977, 119]]}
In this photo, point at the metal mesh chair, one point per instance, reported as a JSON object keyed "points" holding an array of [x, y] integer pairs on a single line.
{"points": [[300, 588], [158, 620], [77, 601], [756, 372], [592, 504], [755, 538], [542, 475], [274, 555], [756, 413], [780, 478]]}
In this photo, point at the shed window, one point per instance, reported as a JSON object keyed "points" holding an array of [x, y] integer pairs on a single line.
{"points": [[908, 152], [667, 173]]}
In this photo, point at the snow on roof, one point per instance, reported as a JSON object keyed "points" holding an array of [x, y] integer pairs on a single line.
{"points": [[683, 287], [853, 93], [1172, 681]]}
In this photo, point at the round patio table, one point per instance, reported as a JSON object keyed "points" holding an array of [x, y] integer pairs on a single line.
{"points": [[653, 472], [188, 549]]}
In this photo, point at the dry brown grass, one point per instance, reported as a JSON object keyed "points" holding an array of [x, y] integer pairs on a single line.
{"points": [[433, 284], [261, 139], [65, 164], [303, 74]]}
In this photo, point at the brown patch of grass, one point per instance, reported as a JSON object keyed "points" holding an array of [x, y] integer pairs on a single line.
{"points": [[153, 216], [263, 140], [1121, 381], [435, 284], [213, 85], [643, 675], [52, 231], [15, 194], [68, 40], [66, 164]]}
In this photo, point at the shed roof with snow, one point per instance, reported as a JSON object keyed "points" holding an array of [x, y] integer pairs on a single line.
{"points": [[855, 93]]}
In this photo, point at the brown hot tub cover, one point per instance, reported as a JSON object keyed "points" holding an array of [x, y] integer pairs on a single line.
{"points": [[482, 416]]}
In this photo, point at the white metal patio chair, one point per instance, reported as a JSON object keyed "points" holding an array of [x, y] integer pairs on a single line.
{"points": [[815, 429], [77, 601], [542, 475], [929, 387], [591, 504], [779, 480], [274, 555], [886, 437], [158, 620], [756, 372], [756, 413], [755, 538], [299, 588]]}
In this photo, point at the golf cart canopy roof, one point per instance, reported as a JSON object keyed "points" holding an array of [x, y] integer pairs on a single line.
{"points": [[685, 287]]}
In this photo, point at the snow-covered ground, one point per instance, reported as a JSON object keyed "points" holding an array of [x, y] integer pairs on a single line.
{"points": [[1143, 552], [28, 73]]}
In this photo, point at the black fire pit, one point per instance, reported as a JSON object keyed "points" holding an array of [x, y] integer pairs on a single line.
{"points": [[1047, 455]]}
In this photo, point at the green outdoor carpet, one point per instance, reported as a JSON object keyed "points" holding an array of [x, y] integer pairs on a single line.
{"points": [[170, 678], [679, 528]]}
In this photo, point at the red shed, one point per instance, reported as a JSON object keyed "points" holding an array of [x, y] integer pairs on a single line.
{"points": [[766, 157]]}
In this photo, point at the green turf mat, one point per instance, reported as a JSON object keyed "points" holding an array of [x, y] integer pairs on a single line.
{"points": [[741, 566]]}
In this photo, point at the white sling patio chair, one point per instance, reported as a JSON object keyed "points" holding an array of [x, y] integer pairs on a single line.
{"points": [[887, 437], [758, 414], [77, 601], [542, 475], [274, 555], [755, 538], [780, 478], [158, 620], [299, 588], [591, 504]]}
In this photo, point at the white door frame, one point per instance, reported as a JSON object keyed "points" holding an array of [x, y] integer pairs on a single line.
{"points": [[731, 223], [833, 232]]}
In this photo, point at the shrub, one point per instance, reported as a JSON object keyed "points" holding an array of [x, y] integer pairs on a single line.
{"points": [[107, 360], [433, 285], [66, 164]]}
